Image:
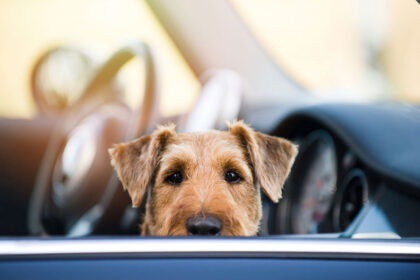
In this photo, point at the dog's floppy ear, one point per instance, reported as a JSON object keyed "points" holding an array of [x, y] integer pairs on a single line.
{"points": [[271, 157], [136, 161]]}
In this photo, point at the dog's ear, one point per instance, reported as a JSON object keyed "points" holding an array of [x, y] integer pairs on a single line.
{"points": [[271, 157], [136, 161]]}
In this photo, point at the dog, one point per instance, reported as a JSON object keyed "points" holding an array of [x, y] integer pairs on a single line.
{"points": [[203, 183]]}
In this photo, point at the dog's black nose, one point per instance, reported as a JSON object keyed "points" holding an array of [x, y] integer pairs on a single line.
{"points": [[209, 225]]}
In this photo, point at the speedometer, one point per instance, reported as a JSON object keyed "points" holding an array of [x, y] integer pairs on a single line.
{"points": [[313, 184]]}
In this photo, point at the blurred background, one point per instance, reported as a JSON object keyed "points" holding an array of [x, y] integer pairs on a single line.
{"points": [[363, 50], [30, 28]]}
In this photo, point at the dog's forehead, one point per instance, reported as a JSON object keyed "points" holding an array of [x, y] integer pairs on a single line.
{"points": [[206, 136], [210, 143]]}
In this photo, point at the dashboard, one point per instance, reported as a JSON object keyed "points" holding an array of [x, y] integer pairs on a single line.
{"points": [[346, 179]]}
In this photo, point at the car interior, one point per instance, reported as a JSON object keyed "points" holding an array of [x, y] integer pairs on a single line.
{"points": [[357, 174]]}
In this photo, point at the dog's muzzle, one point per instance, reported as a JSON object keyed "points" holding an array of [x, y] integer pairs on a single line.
{"points": [[204, 226]]}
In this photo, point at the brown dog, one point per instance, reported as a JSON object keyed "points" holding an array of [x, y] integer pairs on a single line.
{"points": [[204, 183]]}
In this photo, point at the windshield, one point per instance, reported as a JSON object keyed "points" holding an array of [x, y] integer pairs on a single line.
{"points": [[361, 50], [92, 30]]}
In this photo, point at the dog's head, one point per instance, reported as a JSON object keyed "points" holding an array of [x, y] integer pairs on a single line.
{"points": [[203, 183]]}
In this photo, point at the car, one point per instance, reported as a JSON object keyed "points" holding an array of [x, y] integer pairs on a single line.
{"points": [[349, 207]]}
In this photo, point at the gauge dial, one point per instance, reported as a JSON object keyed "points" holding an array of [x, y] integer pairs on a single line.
{"points": [[316, 184]]}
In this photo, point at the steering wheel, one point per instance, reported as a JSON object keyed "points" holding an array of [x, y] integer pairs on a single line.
{"points": [[75, 184]]}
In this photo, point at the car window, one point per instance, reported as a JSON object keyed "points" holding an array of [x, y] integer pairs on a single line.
{"points": [[340, 170], [363, 50], [30, 28]]}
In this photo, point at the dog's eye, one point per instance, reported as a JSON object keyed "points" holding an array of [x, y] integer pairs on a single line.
{"points": [[232, 177], [175, 178]]}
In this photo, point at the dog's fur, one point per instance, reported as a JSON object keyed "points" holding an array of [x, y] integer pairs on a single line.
{"points": [[262, 161]]}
